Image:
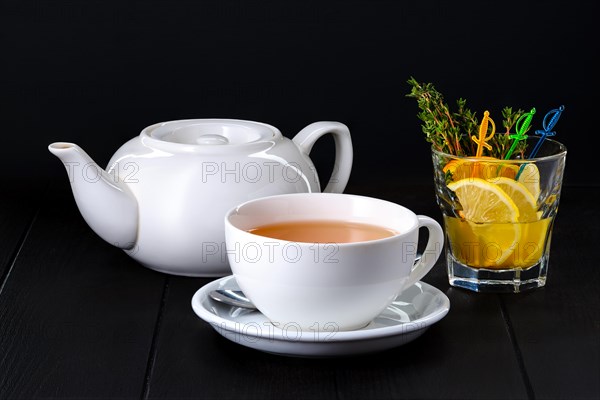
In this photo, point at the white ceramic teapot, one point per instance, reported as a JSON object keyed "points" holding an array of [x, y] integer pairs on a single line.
{"points": [[165, 192]]}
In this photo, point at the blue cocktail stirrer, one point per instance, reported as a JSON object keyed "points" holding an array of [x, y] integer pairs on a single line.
{"points": [[554, 115], [550, 120]]}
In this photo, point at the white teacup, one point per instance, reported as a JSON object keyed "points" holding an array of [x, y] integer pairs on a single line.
{"points": [[327, 286]]}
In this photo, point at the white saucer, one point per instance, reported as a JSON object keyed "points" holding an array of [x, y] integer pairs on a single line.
{"points": [[413, 311]]}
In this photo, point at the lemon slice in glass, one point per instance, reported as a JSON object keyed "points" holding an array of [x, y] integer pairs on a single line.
{"points": [[521, 196], [530, 178], [493, 217], [483, 201], [497, 243]]}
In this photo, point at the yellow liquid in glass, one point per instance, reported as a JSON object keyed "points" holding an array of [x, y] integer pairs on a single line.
{"points": [[495, 245]]}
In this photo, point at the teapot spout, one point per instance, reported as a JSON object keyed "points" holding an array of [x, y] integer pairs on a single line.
{"points": [[105, 202]]}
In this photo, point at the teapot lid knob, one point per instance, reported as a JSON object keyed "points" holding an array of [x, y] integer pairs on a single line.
{"points": [[211, 139]]}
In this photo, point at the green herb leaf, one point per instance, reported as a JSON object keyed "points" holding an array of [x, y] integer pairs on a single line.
{"points": [[450, 132]]}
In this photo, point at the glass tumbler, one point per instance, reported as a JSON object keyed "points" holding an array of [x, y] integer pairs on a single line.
{"points": [[498, 217]]}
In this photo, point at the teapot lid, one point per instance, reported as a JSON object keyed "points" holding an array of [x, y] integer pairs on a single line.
{"points": [[208, 134]]}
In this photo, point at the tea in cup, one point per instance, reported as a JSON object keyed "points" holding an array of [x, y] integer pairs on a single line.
{"points": [[324, 261]]}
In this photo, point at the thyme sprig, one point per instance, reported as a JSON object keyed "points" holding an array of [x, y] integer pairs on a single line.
{"points": [[450, 132]]}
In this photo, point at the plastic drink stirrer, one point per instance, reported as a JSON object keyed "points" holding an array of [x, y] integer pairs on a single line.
{"points": [[548, 125], [522, 126], [483, 139], [554, 116]]}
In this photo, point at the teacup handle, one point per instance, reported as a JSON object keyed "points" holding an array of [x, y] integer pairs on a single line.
{"points": [[306, 138], [432, 251]]}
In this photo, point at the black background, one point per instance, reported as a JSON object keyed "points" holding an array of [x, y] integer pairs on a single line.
{"points": [[97, 72]]}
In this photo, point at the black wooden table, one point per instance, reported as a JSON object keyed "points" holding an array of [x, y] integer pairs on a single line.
{"points": [[80, 319]]}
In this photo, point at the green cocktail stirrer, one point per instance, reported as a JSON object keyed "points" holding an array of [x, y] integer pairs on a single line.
{"points": [[522, 126]]}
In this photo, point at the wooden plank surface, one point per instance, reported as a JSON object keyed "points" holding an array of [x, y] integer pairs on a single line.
{"points": [[194, 360], [77, 315], [78, 318], [19, 202], [460, 357], [557, 328]]}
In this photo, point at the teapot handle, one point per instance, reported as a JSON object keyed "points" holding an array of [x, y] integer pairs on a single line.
{"points": [[306, 138]]}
